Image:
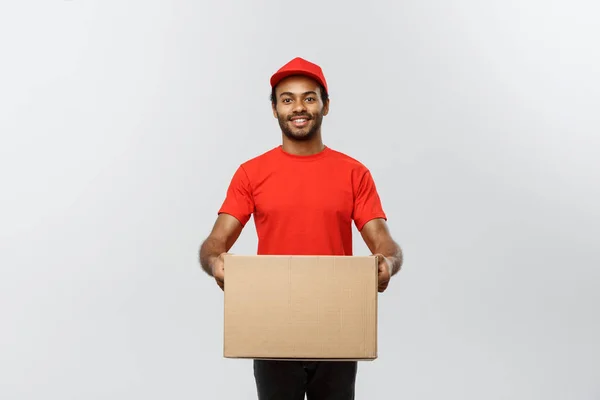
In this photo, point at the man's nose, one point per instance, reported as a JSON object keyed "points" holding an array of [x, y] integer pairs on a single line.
{"points": [[299, 106]]}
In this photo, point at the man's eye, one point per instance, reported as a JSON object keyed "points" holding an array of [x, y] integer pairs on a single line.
{"points": [[310, 98], [286, 100]]}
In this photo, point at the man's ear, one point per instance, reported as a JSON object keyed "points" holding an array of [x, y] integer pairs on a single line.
{"points": [[274, 109], [326, 107]]}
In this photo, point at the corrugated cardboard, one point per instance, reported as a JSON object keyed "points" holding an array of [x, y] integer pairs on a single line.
{"points": [[300, 307]]}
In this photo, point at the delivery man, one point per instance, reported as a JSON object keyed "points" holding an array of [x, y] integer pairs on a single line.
{"points": [[304, 197]]}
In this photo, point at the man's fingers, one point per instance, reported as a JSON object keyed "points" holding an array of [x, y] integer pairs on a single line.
{"points": [[384, 279], [382, 287], [383, 273], [220, 282]]}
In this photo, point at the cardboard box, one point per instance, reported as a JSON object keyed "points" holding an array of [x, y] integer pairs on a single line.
{"points": [[300, 307]]}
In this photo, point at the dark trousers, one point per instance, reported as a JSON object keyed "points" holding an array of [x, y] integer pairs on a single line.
{"points": [[291, 380]]}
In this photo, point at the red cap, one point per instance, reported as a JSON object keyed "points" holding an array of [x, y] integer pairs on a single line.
{"points": [[299, 66]]}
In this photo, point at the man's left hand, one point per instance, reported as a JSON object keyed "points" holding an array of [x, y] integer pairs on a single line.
{"points": [[384, 272]]}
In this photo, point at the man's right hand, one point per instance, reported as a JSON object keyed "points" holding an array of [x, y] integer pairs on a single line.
{"points": [[218, 270], [225, 232]]}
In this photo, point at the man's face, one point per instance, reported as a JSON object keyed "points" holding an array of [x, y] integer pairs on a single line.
{"points": [[299, 107]]}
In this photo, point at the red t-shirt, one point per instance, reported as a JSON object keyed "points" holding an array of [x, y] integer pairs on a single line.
{"points": [[303, 205]]}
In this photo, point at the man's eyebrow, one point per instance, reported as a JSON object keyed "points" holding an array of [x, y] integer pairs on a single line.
{"points": [[291, 94]]}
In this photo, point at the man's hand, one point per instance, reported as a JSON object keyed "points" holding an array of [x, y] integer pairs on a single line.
{"points": [[377, 237], [218, 270], [225, 232], [384, 272]]}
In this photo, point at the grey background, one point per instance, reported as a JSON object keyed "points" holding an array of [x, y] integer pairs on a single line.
{"points": [[122, 123]]}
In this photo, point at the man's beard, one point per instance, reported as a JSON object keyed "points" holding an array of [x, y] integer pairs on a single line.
{"points": [[302, 134]]}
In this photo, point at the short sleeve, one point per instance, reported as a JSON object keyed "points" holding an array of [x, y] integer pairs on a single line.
{"points": [[239, 201], [367, 204]]}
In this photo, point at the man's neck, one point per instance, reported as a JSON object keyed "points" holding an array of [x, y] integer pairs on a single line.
{"points": [[301, 148]]}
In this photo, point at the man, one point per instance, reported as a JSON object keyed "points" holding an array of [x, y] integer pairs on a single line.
{"points": [[304, 197]]}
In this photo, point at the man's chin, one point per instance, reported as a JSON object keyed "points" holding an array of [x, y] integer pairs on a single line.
{"points": [[299, 136]]}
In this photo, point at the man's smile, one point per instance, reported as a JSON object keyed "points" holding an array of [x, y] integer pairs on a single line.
{"points": [[299, 121]]}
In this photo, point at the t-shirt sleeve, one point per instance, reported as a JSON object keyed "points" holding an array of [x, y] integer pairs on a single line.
{"points": [[239, 201], [367, 204]]}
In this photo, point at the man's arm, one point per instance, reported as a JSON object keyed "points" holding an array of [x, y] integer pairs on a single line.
{"points": [[378, 239], [224, 234]]}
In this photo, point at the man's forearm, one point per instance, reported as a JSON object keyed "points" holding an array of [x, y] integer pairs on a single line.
{"points": [[211, 249]]}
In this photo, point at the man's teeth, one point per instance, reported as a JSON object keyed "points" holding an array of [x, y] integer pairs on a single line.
{"points": [[299, 120]]}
